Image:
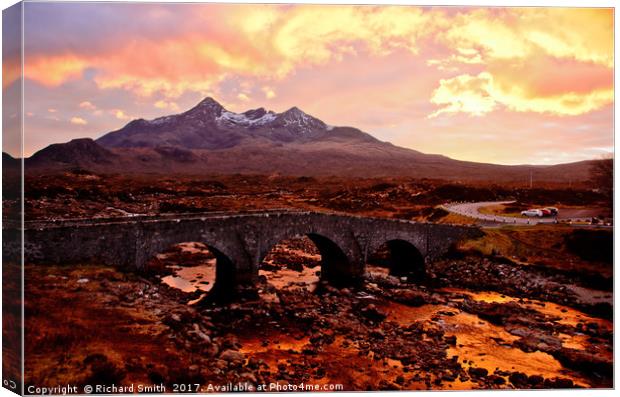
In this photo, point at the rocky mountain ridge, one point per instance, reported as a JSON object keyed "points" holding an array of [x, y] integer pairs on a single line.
{"points": [[209, 139]]}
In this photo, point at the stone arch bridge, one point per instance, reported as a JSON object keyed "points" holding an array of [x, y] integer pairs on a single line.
{"points": [[240, 241]]}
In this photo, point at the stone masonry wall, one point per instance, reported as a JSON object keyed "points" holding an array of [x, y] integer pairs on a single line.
{"points": [[243, 239]]}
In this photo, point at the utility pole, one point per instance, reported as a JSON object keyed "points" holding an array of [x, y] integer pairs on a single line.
{"points": [[530, 179]]}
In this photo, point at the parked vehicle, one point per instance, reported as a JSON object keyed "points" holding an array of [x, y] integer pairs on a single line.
{"points": [[532, 212], [540, 212], [554, 211]]}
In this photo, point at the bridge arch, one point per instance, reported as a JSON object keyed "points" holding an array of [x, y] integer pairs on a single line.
{"points": [[227, 272], [225, 275], [336, 266], [402, 258]]}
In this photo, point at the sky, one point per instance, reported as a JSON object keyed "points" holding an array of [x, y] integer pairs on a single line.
{"points": [[499, 85]]}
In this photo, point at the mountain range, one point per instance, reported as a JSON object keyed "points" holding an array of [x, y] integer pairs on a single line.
{"points": [[208, 139]]}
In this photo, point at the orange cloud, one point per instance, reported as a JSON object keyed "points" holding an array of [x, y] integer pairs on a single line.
{"points": [[547, 76], [54, 70], [517, 33], [78, 121], [269, 92], [514, 52], [583, 34], [545, 60], [11, 70], [161, 104], [87, 105], [119, 114], [274, 41], [482, 94], [318, 34], [467, 94]]}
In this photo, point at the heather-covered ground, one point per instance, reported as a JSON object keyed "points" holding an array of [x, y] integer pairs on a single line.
{"points": [[515, 327], [520, 307], [80, 193]]}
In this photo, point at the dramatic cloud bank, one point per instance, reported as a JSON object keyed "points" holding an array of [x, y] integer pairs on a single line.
{"points": [[471, 83]]}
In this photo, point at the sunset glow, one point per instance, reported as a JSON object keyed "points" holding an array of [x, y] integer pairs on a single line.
{"points": [[502, 85]]}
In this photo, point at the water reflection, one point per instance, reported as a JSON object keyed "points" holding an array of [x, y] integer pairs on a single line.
{"points": [[479, 343], [286, 279], [291, 264], [190, 279], [566, 314], [192, 266]]}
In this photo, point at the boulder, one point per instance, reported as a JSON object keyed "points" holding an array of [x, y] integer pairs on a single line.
{"points": [[232, 356], [478, 372]]}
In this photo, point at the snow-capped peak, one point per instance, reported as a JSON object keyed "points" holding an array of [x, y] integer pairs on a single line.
{"points": [[161, 120], [294, 121], [295, 117], [250, 118]]}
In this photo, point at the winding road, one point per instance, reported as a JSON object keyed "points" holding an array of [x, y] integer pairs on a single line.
{"points": [[472, 210]]}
